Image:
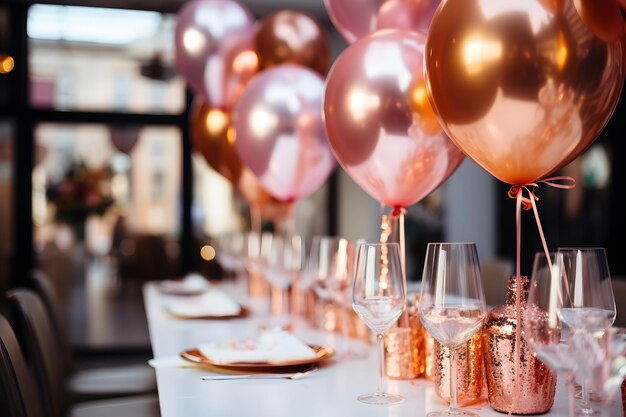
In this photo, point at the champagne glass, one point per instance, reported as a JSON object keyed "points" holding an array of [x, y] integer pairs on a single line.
{"points": [[452, 303], [379, 297], [588, 304]]}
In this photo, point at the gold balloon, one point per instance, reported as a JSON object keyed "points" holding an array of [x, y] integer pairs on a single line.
{"points": [[213, 136], [290, 37], [524, 86], [423, 114]]}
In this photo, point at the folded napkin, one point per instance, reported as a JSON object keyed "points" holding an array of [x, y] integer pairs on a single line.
{"points": [[272, 346], [212, 303], [189, 285], [171, 362]]}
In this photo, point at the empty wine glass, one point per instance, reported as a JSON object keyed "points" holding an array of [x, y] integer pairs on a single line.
{"points": [[379, 298], [340, 283], [281, 260], [588, 305], [542, 324], [322, 264], [452, 303]]}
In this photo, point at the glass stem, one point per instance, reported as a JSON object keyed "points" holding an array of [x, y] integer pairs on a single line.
{"points": [[345, 329], [571, 403], [381, 360], [585, 395], [453, 402]]}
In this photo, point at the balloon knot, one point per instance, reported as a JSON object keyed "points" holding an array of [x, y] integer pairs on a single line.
{"points": [[515, 190], [398, 210]]}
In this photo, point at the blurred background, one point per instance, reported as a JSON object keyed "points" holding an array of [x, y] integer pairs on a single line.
{"points": [[101, 189]]}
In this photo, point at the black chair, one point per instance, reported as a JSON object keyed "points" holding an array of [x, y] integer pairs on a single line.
{"points": [[45, 359], [91, 384], [20, 392]]}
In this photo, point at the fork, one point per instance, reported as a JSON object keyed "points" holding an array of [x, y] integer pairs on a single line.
{"points": [[293, 376]]}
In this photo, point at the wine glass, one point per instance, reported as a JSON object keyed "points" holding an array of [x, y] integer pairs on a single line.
{"points": [[322, 263], [588, 303], [452, 303], [379, 298], [281, 260], [543, 328], [340, 280]]}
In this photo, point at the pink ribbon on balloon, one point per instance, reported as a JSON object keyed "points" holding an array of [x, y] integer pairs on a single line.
{"points": [[529, 203]]}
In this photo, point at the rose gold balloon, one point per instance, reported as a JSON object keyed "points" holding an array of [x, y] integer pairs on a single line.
{"points": [[520, 88], [280, 134], [292, 37], [213, 136], [214, 49], [369, 114], [355, 20]]}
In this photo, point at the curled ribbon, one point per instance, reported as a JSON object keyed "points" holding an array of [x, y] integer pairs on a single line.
{"points": [[516, 192]]}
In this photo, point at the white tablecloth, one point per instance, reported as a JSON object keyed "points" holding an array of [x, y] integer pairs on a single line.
{"points": [[328, 392]]}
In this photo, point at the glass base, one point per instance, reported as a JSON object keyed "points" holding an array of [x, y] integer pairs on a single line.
{"points": [[452, 413], [586, 411], [380, 398]]}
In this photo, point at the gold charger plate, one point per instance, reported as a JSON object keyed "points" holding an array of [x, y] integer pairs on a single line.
{"points": [[321, 354], [243, 312]]}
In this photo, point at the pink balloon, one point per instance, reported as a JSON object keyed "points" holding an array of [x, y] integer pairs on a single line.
{"points": [[280, 134], [356, 19], [215, 49], [372, 129]]}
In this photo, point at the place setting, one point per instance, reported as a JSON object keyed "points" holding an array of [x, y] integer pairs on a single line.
{"points": [[272, 353]]}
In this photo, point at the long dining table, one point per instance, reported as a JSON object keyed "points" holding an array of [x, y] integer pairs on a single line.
{"points": [[331, 390]]}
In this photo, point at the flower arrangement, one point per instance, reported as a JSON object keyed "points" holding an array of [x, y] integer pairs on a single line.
{"points": [[83, 191]]}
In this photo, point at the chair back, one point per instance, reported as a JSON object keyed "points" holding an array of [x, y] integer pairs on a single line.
{"points": [[44, 287], [21, 394], [42, 352]]}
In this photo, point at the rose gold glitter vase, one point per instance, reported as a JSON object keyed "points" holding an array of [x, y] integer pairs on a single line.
{"points": [[469, 370], [534, 392], [404, 348]]}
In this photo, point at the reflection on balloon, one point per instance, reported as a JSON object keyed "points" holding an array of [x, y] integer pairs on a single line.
{"points": [[214, 49], [356, 20], [291, 37], [377, 124], [522, 87], [280, 135], [423, 114]]}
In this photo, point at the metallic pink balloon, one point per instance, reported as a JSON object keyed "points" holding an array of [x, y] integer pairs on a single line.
{"points": [[371, 126], [215, 49], [280, 134], [355, 19]]}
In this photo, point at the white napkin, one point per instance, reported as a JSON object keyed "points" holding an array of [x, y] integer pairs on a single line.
{"points": [[171, 362], [191, 284], [213, 303], [272, 346]]}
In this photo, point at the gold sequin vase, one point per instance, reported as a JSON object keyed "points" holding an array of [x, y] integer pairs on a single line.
{"points": [[534, 392]]}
